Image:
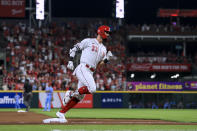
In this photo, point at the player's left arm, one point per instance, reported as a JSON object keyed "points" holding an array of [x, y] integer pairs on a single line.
{"points": [[79, 46], [107, 57], [100, 64], [105, 60]]}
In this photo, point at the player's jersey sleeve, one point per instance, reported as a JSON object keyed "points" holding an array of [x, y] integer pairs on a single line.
{"points": [[79, 46], [83, 44]]}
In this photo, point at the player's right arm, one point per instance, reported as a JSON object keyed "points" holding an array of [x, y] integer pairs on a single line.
{"points": [[79, 46]]}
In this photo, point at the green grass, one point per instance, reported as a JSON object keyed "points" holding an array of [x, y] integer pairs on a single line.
{"points": [[97, 128], [180, 115]]}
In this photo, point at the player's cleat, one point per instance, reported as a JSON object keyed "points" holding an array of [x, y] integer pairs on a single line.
{"points": [[60, 115], [67, 97], [54, 120]]}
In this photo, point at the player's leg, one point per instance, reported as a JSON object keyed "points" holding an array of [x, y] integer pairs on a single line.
{"points": [[30, 95], [72, 102], [86, 83], [25, 99], [85, 76], [16, 105], [19, 106], [27, 102], [46, 103], [67, 96], [49, 106]]}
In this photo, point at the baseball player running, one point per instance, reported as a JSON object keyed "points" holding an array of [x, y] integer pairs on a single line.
{"points": [[93, 53]]}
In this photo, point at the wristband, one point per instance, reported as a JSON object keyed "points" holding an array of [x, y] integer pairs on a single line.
{"points": [[71, 58], [106, 60]]}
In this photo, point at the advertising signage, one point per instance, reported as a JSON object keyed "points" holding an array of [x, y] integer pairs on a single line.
{"points": [[12, 8], [162, 86], [147, 67], [155, 86]]}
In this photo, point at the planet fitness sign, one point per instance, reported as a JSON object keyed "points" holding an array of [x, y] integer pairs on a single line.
{"points": [[155, 86]]}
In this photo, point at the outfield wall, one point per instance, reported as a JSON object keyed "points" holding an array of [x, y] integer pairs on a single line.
{"points": [[107, 99]]}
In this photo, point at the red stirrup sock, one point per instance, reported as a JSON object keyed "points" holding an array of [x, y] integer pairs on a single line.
{"points": [[83, 90], [73, 101]]}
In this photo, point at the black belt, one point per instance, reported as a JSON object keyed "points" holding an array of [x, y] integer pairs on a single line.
{"points": [[92, 69]]}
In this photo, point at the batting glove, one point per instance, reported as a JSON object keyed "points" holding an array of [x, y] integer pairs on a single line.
{"points": [[109, 55], [70, 65]]}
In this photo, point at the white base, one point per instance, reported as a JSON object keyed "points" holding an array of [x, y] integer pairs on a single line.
{"points": [[55, 120], [21, 111]]}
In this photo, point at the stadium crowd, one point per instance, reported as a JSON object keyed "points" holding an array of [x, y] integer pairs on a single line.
{"points": [[41, 55]]}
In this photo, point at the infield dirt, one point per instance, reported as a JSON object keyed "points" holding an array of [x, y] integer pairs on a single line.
{"points": [[13, 118]]}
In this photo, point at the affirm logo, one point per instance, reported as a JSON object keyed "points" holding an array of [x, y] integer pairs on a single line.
{"points": [[8, 100]]}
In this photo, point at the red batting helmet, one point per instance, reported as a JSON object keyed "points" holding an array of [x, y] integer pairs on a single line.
{"points": [[102, 29]]}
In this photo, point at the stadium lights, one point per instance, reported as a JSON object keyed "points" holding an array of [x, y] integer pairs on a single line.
{"points": [[40, 9], [132, 75], [153, 76], [119, 8], [175, 76]]}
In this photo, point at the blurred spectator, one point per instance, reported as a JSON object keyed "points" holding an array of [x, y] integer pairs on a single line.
{"points": [[172, 104], [180, 105], [154, 106], [167, 105]]}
